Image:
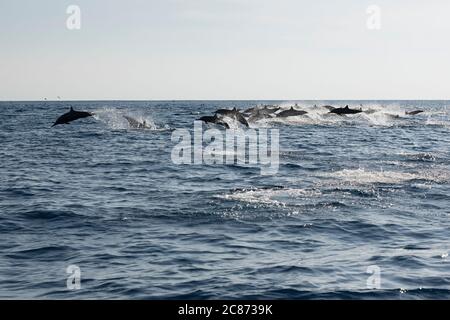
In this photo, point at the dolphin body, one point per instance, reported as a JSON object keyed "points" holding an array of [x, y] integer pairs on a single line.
{"points": [[250, 110], [240, 118], [413, 113], [263, 108], [271, 110], [260, 114], [135, 124], [330, 108], [346, 110], [215, 120], [233, 114], [226, 112], [291, 113], [72, 115]]}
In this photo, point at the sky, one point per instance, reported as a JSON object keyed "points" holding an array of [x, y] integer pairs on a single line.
{"points": [[225, 50]]}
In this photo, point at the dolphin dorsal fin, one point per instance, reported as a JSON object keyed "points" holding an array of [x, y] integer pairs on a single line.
{"points": [[346, 107], [71, 108], [292, 108]]}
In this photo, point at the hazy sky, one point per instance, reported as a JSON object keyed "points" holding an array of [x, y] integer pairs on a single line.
{"points": [[224, 49]]}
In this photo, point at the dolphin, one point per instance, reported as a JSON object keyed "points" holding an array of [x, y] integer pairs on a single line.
{"points": [[271, 110], [268, 108], [72, 115], [226, 112], [413, 113], [135, 124], [260, 114], [251, 109], [233, 114], [330, 108], [214, 119], [346, 110], [291, 113], [241, 119]]}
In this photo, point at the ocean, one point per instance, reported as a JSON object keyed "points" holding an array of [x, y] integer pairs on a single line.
{"points": [[358, 207]]}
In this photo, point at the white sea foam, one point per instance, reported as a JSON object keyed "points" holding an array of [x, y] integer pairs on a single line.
{"points": [[271, 196], [422, 156], [362, 176], [436, 122]]}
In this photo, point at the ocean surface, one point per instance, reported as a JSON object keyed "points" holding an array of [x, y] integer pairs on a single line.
{"points": [[359, 208]]}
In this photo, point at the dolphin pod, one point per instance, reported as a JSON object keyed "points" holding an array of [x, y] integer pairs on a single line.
{"points": [[252, 114], [72, 115], [261, 112]]}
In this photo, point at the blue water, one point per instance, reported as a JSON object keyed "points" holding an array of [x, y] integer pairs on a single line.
{"points": [[351, 192]]}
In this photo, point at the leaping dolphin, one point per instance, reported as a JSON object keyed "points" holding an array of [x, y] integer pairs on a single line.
{"points": [[271, 110], [226, 112], [413, 113], [291, 113], [214, 119], [135, 124], [233, 114], [260, 114], [72, 115], [240, 118], [346, 110], [330, 108], [250, 110]]}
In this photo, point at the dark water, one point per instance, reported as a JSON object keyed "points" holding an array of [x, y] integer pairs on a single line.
{"points": [[351, 192]]}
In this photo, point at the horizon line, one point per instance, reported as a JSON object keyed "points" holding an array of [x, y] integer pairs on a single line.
{"points": [[179, 100]]}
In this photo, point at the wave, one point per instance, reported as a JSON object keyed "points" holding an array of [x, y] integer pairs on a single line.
{"points": [[46, 253]]}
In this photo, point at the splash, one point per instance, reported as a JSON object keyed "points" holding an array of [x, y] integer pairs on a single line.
{"points": [[115, 119]]}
